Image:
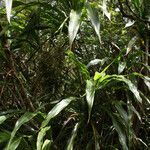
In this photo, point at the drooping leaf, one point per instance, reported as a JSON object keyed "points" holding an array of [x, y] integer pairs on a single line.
{"points": [[93, 15], [56, 110], [40, 137], [22, 120], [90, 93], [8, 5], [105, 11], [74, 24], [73, 136], [131, 87]]}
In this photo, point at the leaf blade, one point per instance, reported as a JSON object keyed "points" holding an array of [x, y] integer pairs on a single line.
{"points": [[8, 5], [90, 93], [56, 110], [74, 24]]}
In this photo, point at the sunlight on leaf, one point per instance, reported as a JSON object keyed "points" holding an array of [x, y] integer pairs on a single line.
{"points": [[8, 5], [129, 23], [93, 15], [121, 67], [105, 11], [90, 93], [99, 75], [56, 110], [74, 24], [97, 61]]}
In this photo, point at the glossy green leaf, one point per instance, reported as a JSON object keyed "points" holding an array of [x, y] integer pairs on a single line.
{"points": [[98, 75], [73, 136], [90, 93], [74, 24], [8, 5], [22, 120], [40, 137], [56, 110], [94, 17]]}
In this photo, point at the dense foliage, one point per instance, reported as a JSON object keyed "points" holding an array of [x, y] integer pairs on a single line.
{"points": [[74, 74]]}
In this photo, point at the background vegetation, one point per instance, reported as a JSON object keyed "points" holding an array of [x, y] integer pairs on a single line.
{"points": [[74, 74]]}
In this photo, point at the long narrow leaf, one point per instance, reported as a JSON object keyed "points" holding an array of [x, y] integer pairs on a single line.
{"points": [[93, 15], [90, 93], [74, 24], [74, 134], [121, 133], [40, 137], [2, 119], [15, 143], [130, 44], [8, 5], [105, 11], [22, 120], [56, 110], [46, 145]]}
